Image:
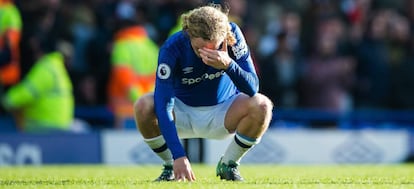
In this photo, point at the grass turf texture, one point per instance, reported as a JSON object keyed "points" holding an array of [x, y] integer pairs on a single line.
{"points": [[257, 176]]}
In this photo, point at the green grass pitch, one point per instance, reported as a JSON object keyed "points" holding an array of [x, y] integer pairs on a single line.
{"points": [[257, 176]]}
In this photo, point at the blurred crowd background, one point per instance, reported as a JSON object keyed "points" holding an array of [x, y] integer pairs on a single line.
{"points": [[330, 55]]}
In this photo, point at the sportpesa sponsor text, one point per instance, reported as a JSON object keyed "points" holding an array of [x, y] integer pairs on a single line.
{"points": [[205, 76]]}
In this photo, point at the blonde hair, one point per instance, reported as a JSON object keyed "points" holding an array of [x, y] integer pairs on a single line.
{"points": [[209, 23]]}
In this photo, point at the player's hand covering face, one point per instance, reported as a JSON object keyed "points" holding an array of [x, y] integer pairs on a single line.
{"points": [[211, 53]]}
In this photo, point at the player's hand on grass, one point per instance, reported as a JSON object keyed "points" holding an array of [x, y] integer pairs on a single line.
{"points": [[182, 170]]}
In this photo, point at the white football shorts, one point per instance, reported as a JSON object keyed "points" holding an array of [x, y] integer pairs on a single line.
{"points": [[202, 122]]}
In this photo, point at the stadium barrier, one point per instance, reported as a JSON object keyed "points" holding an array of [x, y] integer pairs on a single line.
{"points": [[59, 148], [278, 146]]}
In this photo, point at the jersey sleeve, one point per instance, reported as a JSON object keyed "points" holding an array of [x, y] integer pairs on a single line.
{"points": [[164, 101], [241, 70]]}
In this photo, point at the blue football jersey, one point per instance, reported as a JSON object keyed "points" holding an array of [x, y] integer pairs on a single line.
{"points": [[182, 74]]}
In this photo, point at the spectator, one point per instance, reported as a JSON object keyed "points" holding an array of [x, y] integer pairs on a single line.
{"points": [[82, 23], [97, 22], [238, 11], [183, 8], [43, 100], [327, 77], [134, 62], [279, 71], [402, 64], [373, 69], [10, 33], [279, 74]]}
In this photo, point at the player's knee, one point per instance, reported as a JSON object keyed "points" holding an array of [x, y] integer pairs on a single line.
{"points": [[267, 104], [144, 106], [262, 110]]}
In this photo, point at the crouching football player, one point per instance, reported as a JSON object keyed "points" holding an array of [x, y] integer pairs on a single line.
{"points": [[206, 87]]}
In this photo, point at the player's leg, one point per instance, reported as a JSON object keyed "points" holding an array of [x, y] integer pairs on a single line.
{"points": [[145, 118], [146, 123], [249, 118]]}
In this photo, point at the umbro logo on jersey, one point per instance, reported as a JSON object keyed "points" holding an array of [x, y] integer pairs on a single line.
{"points": [[188, 70]]}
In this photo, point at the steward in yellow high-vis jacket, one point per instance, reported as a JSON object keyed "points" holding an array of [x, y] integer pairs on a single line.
{"points": [[134, 63], [10, 34], [44, 97]]}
